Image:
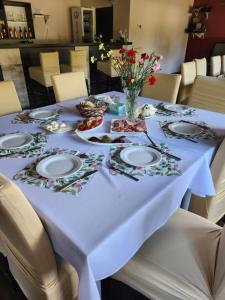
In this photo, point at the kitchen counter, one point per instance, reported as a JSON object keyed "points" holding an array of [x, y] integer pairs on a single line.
{"points": [[4, 44]]}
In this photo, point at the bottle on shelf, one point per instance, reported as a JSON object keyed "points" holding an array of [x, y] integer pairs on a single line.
{"points": [[20, 33], [11, 35], [1, 33], [15, 33], [4, 32], [30, 35], [25, 33]]}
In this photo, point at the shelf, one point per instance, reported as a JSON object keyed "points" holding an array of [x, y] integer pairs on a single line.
{"points": [[23, 22]]}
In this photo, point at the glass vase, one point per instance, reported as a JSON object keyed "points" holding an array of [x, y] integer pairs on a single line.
{"points": [[131, 102]]}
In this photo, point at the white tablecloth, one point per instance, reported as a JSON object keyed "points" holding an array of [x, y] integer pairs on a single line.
{"points": [[99, 230]]}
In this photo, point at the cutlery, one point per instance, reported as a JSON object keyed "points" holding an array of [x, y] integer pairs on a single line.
{"points": [[154, 146], [179, 135], [63, 188], [64, 107], [123, 172], [23, 118], [20, 152], [165, 153]]}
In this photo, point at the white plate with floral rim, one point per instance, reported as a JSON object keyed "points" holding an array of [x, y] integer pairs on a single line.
{"points": [[184, 128], [15, 141], [59, 166], [177, 108], [140, 156], [42, 114]]}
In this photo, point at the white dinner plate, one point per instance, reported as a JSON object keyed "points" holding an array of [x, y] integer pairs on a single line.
{"points": [[58, 166], [42, 114], [15, 140], [83, 135], [140, 156], [185, 128], [177, 108], [58, 129]]}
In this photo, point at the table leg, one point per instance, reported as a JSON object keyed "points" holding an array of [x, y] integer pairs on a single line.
{"points": [[186, 200]]}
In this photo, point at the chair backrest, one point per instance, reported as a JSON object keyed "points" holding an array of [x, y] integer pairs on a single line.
{"points": [[166, 87], [219, 277], [213, 207], [188, 72], [201, 66], [25, 239], [208, 93], [50, 62], [9, 101], [223, 64], [68, 86], [215, 65], [218, 169], [78, 61]]}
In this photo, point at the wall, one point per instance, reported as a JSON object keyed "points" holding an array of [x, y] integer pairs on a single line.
{"points": [[159, 26], [121, 16], [215, 31], [96, 3], [59, 24]]}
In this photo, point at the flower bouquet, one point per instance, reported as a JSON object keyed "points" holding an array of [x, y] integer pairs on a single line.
{"points": [[134, 69]]}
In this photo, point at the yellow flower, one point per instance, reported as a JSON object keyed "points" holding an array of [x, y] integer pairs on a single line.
{"points": [[93, 59], [132, 80], [109, 53], [101, 47], [102, 56]]}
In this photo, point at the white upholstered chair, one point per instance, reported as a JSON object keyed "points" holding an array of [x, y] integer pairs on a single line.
{"points": [[183, 260], [9, 101], [215, 65], [49, 66], [166, 87], [208, 93], [213, 208], [223, 65], [68, 86], [188, 73], [31, 259], [78, 63], [105, 66], [201, 66]]}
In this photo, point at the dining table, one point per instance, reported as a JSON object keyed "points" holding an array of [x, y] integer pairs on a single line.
{"points": [[99, 229]]}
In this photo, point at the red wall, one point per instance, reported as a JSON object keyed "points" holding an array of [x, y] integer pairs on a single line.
{"points": [[215, 31]]}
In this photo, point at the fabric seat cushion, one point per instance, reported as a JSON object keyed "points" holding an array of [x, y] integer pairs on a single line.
{"points": [[106, 68], [177, 262], [44, 78]]}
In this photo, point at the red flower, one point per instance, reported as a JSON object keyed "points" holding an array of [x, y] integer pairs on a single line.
{"points": [[132, 61], [152, 80], [141, 63], [128, 80], [122, 51], [131, 53], [144, 56]]}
